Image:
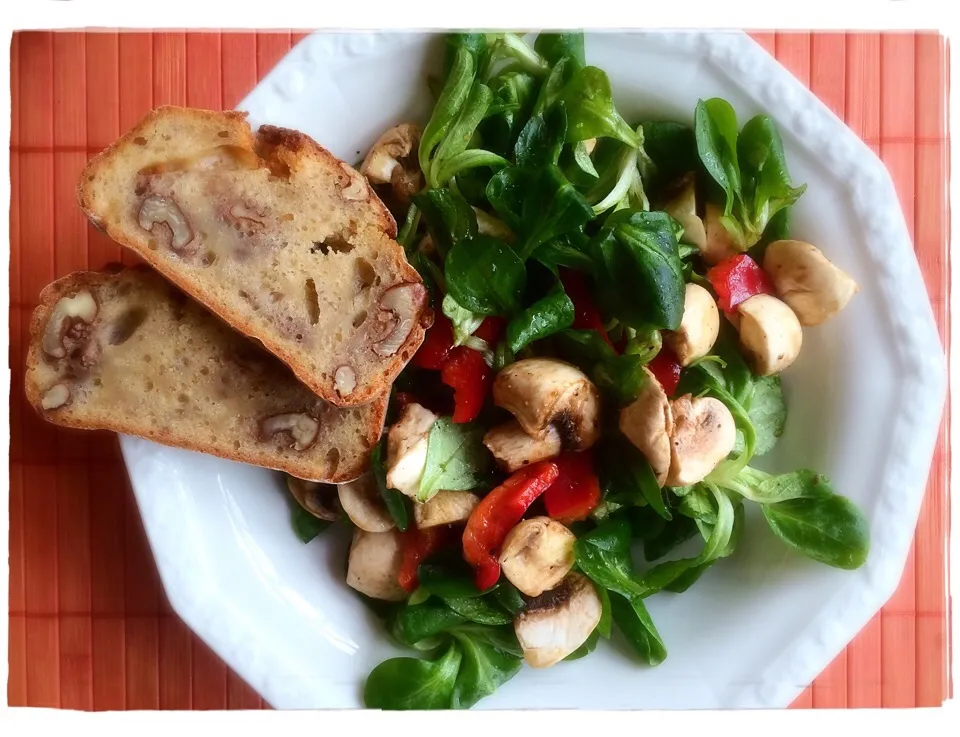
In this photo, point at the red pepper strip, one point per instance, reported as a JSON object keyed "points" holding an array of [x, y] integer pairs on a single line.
{"points": [[666, 368], [491, 329], [436, 345], [736, 279], [576, 492], [468, 375], [498, 513], [586, 314], [416, 546]]}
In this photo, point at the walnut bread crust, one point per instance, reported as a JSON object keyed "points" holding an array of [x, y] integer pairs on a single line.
{"points": [[272, 233], [129, 353]]}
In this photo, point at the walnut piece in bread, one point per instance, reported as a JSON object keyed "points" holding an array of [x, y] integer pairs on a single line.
{"points": [[272, 233], [130, 353]]}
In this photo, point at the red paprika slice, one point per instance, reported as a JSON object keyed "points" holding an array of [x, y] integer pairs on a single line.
{"points": [[586, 316], [576, 492], [468, 375], [437, 344], [666, 368], [491, 329], [498, 513], [736, 279], [416, 546]]}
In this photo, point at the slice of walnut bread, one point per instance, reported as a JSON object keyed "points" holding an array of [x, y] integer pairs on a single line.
{"points": [[272, 233], [128, 352]]}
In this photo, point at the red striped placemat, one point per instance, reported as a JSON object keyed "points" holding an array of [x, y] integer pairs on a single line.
{"points": [[89, 625]]}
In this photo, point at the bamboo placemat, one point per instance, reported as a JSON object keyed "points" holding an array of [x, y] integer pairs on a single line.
{"points": [[90, 627]]}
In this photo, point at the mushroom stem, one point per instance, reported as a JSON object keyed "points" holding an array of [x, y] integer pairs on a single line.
{"points": [[648, 423], [546, 395]]}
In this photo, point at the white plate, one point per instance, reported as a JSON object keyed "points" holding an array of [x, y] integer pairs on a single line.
{"points": [[865, 398]]}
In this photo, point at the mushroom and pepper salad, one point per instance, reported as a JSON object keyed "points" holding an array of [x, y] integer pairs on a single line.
{"points": [[614, 306]]}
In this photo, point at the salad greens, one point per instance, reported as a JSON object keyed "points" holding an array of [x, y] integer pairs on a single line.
{"points": [[748, 165], [536, 189], [456, 459]]}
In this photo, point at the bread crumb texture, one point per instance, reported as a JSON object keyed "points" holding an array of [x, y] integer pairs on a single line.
{"points": [[130, 353], [275, 235]]}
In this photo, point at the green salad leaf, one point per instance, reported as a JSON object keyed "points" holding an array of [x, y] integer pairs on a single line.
{"points": [[539, 204], [464, 322], [555, 46], [634, 621], [474, 652], [672, 149], [304, 524], [474, 43], [456, 458], [604, 557], [589, 645], [590, 109], [484, 667], [462, 69], [672, 535], [805, 513], [448, 217], [415, 623], [478, 609], [626, 477], [548, 315], [509, 598], [638, 270], [450, 579], [778, 229], [485, 275], [514, 94], [619, 376], [748, 166], [541, 139], [767, 410], [414, 683], [824, 527]]}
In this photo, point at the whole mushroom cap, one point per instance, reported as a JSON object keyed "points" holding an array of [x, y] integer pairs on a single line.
{"points": [[813, 287]]}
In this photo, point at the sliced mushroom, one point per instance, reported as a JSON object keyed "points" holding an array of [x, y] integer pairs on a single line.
{"points": [[407, 448], [315, 497], [404, 302], [558, 621], [537, 554], [362, 503], [374, 564], [704, 434], [720, 244], [80, 307], [513, 448], [445, 508], [647, 423], [770, 334], [389, 161], [682, 207], [699, 327], [813, 287], [546, 395]]}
